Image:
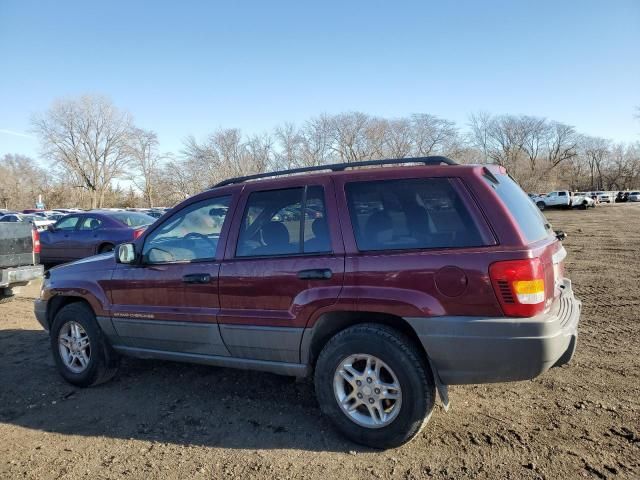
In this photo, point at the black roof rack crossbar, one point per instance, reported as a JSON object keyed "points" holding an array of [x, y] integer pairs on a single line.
{"points": [[339, 167]]}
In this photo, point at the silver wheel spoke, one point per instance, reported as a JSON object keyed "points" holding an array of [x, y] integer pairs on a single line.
{"points": [[74, 346], [373, 414], [367, 390], [83, 359], [347, 376]]}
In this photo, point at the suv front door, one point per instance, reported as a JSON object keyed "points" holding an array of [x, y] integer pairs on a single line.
{"points": [[284, 262], [169, 301]]}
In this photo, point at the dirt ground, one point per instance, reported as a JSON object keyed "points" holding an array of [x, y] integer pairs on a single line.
{"points": [[169, 420]]}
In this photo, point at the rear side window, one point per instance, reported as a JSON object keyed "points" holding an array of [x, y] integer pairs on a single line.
{"points": [[410, 214], [90, 223], [284, 222], [530, 220], [132, 219]]}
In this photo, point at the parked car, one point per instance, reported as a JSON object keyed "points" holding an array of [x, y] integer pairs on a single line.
{"points": [[622, 197], [88, 233], [564, 199], [12, 218], [634, 196], [454, 278], [19, 257], [39, 223], [604, 197]]}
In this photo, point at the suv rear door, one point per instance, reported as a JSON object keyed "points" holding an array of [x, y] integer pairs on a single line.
{"points": [[416, 244], [284, 260]]}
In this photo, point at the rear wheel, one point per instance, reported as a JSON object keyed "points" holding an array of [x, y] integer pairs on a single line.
{"points": [[81, 352], [107, 247], [374, 385], [6, 295], [541, 205]]}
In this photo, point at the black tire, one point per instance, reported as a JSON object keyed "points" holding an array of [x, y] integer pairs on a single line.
{"points": [[103, 361], [541, 205], [414, 376], [584, 205], [107, 247], [6, 298]]}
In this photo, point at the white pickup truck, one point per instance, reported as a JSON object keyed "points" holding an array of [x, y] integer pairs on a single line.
{"points": [[563, 198], [19, 257]]}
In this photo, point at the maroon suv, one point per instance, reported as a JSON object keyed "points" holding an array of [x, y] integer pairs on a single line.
{"points": [[387, 284]]}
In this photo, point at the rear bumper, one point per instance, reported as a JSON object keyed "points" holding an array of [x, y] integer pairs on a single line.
{"points": [[16, 276], [465, 350]]}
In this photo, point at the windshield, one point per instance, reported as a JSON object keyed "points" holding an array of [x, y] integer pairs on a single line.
{"points": [[132, 219]]}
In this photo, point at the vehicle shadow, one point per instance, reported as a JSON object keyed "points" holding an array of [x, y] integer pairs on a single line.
{"points": [[162, 401]]}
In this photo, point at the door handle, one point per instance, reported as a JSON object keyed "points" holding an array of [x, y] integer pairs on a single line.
{"points": [[315, 274], [197, 278]]}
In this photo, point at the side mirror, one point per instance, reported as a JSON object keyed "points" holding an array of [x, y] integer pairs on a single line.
{"points": [[126, 253]]}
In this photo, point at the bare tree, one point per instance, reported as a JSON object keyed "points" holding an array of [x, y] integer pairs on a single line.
{"points": [[399, 138], [479, 133], [595, 151], [316, 144], [143, 150], [562, 143], [350, 139], [432, 135], [536, 132], [21, 181], [87, 137], [290, 141]]}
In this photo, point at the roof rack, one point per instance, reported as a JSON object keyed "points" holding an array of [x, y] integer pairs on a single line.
{"points": [[339, 167]]}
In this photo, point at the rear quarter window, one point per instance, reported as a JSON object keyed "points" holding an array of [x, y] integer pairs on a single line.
{"points": [[531, 222], [417, 213]]}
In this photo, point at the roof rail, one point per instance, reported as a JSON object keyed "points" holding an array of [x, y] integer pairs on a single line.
{"points": [[339, 167]]}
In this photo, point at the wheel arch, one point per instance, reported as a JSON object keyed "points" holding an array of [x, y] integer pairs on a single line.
{"points": [[329, 324], [58, 302], [103, 244]]}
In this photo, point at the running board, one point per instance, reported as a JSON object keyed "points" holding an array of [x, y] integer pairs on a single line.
{"points": [[279, 368]]}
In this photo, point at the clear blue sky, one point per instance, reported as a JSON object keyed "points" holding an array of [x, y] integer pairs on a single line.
{"points": [[185, 67]]}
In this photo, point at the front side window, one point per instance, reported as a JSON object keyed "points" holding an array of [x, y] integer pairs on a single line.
{"points": [[189, 235], [284, 222], [410, 214], [68, 223]]}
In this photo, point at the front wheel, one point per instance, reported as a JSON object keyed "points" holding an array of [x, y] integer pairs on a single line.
{"points": [[80, 351], [541, 205], [374, 385]]}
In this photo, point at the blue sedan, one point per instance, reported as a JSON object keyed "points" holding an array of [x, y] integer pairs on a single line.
{"points": [[87, 233]]}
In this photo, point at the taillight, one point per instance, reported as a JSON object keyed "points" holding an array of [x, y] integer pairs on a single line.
{"points": [[35, 237], [137, 233], [519, 286]]}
